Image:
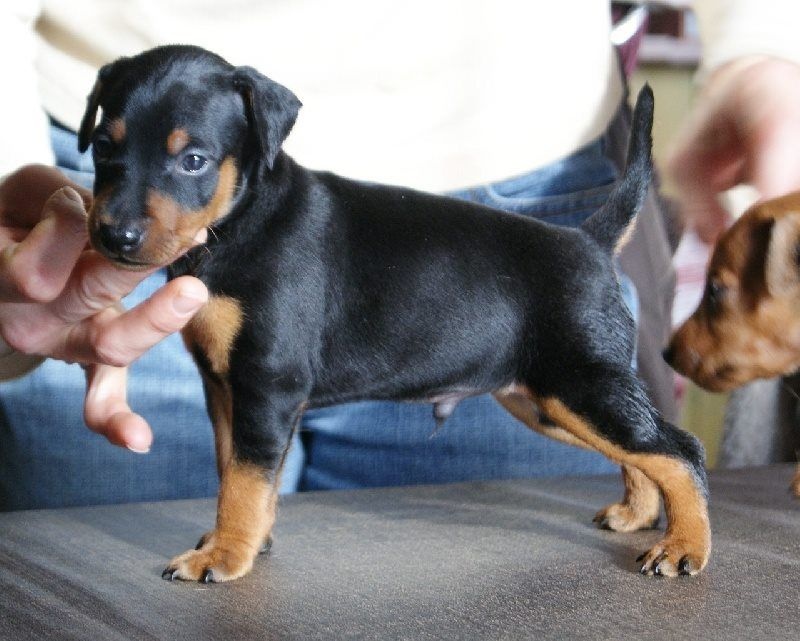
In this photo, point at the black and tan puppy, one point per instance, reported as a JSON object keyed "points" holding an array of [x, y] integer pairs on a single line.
{"points": [[326, 290]]}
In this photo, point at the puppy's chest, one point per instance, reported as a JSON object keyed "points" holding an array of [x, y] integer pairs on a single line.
{"points": [[213, 330]]}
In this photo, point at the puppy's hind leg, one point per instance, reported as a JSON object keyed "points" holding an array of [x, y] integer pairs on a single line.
{"points": [[607, 408], [640, 506]]}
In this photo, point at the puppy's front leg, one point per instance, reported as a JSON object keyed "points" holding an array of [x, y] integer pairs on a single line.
{"points": [[252, 437], [245, 515]]}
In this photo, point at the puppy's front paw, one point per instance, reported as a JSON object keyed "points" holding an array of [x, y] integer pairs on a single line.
{"points": [[672, 557], [621, 517], [211, 562]]}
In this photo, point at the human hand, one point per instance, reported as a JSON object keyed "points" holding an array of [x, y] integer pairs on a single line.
{"points": [[745, 129], [61, 299]]}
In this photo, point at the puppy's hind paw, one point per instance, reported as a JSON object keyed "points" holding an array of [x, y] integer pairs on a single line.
{"points": [[621, 517]]}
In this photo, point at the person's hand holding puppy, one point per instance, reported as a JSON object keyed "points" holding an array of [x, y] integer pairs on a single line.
{"points": [[60, 299]]}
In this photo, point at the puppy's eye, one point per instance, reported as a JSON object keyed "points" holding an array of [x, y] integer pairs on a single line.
{"points": [[194, 163], [102, 147], [715, 292]]}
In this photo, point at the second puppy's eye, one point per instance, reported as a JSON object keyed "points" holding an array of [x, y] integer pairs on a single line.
{"points": [[193, 163], [715, 292]]}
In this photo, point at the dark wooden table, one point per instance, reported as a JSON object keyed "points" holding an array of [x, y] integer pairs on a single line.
{"points": [[500, 560]]}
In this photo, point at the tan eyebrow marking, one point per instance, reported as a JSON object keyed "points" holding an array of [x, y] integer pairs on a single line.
{"points": [[117, 130], [177, 141]]}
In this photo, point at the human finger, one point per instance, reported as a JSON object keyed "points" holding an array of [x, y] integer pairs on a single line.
{"points": [[24, 192], [119, 339], [106, 409], [776, 163], [37, 269], [94, 285]]}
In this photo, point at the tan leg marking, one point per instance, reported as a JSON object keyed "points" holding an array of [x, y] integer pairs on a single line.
{"points": [[639, 508], [795, 486], [686, 545], [521, 406], [248, 493], [213, 330], [245, 516]]}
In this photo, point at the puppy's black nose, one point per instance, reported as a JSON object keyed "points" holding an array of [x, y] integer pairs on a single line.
{"points": [[120, 239], [669, 354]]}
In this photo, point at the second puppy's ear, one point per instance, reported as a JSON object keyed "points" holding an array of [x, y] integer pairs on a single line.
{"points": [[271, 110], [782, 265], [93, 103]]}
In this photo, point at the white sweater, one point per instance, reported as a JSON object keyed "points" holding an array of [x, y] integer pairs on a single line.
{"points": [[433, 94]]}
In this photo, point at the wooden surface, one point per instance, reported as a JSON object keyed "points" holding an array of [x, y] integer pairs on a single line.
{"points": [[483, 560]]}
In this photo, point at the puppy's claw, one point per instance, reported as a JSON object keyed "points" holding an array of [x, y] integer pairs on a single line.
{"points": [[686, 567], [659, 560], [168, 574], [267, 547], [212, 563]]}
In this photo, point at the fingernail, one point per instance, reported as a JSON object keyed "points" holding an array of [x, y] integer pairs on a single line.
{"points": [[70, 193], [187, 304], [136, 450]]}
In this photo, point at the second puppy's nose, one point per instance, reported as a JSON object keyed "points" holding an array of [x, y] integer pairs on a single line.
{"points": [[120, 239]]}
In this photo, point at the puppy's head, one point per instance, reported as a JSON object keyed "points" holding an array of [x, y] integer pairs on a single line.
{"points": [[181, 136], [747, 325]]}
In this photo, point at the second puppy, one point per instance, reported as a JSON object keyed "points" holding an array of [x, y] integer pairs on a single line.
{"points": [[747, 325]]}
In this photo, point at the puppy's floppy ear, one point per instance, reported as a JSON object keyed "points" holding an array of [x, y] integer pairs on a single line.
{"points": [[271, 110], [782, 264], [93, 102]]}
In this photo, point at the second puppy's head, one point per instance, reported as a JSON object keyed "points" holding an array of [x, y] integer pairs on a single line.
{"points": [[182, 134], [747, 324]]}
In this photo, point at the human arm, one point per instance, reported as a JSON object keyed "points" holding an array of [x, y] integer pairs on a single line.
{"points": [[745, 125]]}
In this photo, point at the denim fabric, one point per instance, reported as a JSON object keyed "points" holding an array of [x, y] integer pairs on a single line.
{"points": [[77, 166], [48, 458]]}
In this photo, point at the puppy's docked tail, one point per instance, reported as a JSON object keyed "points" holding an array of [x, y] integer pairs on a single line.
{"points": [[611, 225]]}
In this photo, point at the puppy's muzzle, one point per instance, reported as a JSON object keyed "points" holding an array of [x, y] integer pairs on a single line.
{"points": [[119, 242]]}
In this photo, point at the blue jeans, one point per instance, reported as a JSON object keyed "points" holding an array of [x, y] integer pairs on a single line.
{"points": [[48, 458]]}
